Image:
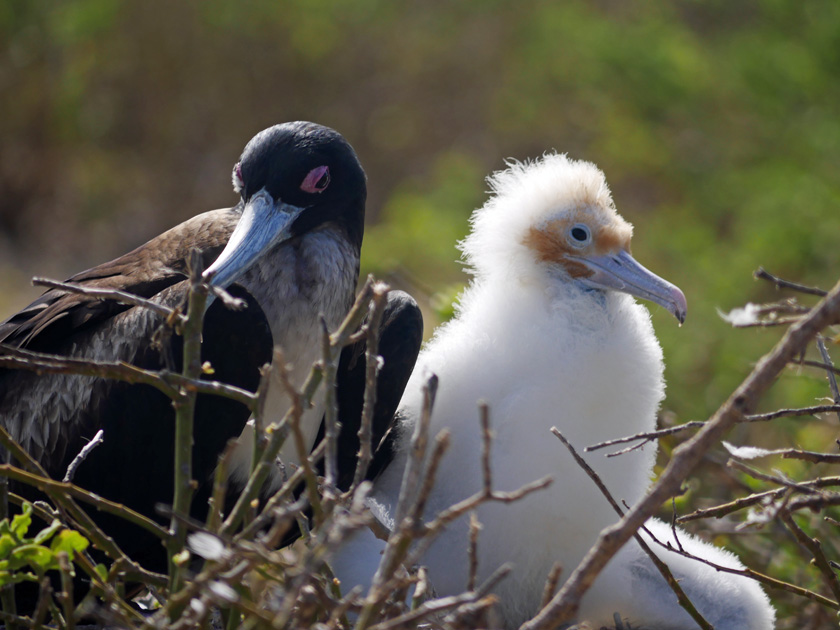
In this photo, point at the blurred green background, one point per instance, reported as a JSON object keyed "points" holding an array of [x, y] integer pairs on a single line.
{"points": [[717, 124]]}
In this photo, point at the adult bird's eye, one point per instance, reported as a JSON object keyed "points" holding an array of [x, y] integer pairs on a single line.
{"points": [[580, 235], [316, 180]]}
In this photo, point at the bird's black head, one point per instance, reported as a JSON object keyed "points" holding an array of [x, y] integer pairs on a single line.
{"points": [[309, 166], [293, 179]]}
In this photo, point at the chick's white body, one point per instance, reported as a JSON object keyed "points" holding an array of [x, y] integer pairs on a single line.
{"points": [[543, 349], [581, 383]]}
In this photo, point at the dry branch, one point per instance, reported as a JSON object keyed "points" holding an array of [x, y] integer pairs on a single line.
{"points": [[762, 274], [663, 569]]}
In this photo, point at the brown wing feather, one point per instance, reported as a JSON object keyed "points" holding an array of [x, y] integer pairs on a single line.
{"points": [[145, 271], [48, 413]]}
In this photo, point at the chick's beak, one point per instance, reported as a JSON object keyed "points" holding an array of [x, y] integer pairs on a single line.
{"points": [[620, 272]]}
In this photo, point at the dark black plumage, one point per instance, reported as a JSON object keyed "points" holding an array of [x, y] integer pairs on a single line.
{"points": [[137, 455], [400, 337]]}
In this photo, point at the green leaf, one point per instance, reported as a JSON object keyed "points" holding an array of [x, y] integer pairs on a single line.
{"points": [[22, 521], [47, 532], [69, 541], [17, 577], [38, 557], [7, 544]]}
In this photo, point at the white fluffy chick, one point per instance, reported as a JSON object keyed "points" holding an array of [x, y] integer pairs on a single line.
{"points": [[548, 333]]}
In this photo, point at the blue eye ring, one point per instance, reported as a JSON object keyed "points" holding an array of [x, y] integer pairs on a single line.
{"points": [[580, 235]]}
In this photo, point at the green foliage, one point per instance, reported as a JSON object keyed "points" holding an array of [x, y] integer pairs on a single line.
{"points": [[39, 553], [419, 228]]}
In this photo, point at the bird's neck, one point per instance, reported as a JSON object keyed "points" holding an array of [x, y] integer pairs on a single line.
{"points": [[555, 307], [296, 283], [301, 279]]}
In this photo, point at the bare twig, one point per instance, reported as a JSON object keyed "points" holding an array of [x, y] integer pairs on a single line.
{"points": [[274, 502], [815, 547], [446, 517], [663, 569], [819, 365], [220, 487], [230, 302], [472, 551], [813, 503], [275, 432], [645, 437], [115, 295], [71, 469], [331, 425], [377, 309], [795, 453], [293, 417], [184, 404], [810, 456], [551, 583], [419, 439], [739, 504], [66, 595], [399, 541], [757, 474], [762, 274], [752, 574], [781, 413], [62, 494], [410, 533], [435, 606], [830, 371], [167, 382], [486, 444]]}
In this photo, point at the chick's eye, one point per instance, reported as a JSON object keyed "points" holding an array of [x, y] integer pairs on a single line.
{"points": [[580, 235], [316, 180]]}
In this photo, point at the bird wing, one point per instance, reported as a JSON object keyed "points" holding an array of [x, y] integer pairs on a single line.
{"points": [[400, 337], [146, 271], [52, 415]]}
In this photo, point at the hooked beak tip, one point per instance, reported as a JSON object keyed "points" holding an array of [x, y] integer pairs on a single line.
{"points": [[679, 306], [621, 272]]}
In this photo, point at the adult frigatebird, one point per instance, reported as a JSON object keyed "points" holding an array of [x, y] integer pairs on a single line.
{"points": [[290, 248]]}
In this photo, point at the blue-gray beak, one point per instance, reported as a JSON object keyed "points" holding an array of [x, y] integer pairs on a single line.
{"points": [[264, 223], [621, 272]]}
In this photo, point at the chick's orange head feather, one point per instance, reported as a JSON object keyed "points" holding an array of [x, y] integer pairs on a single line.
{"points": [[554, 242]]}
